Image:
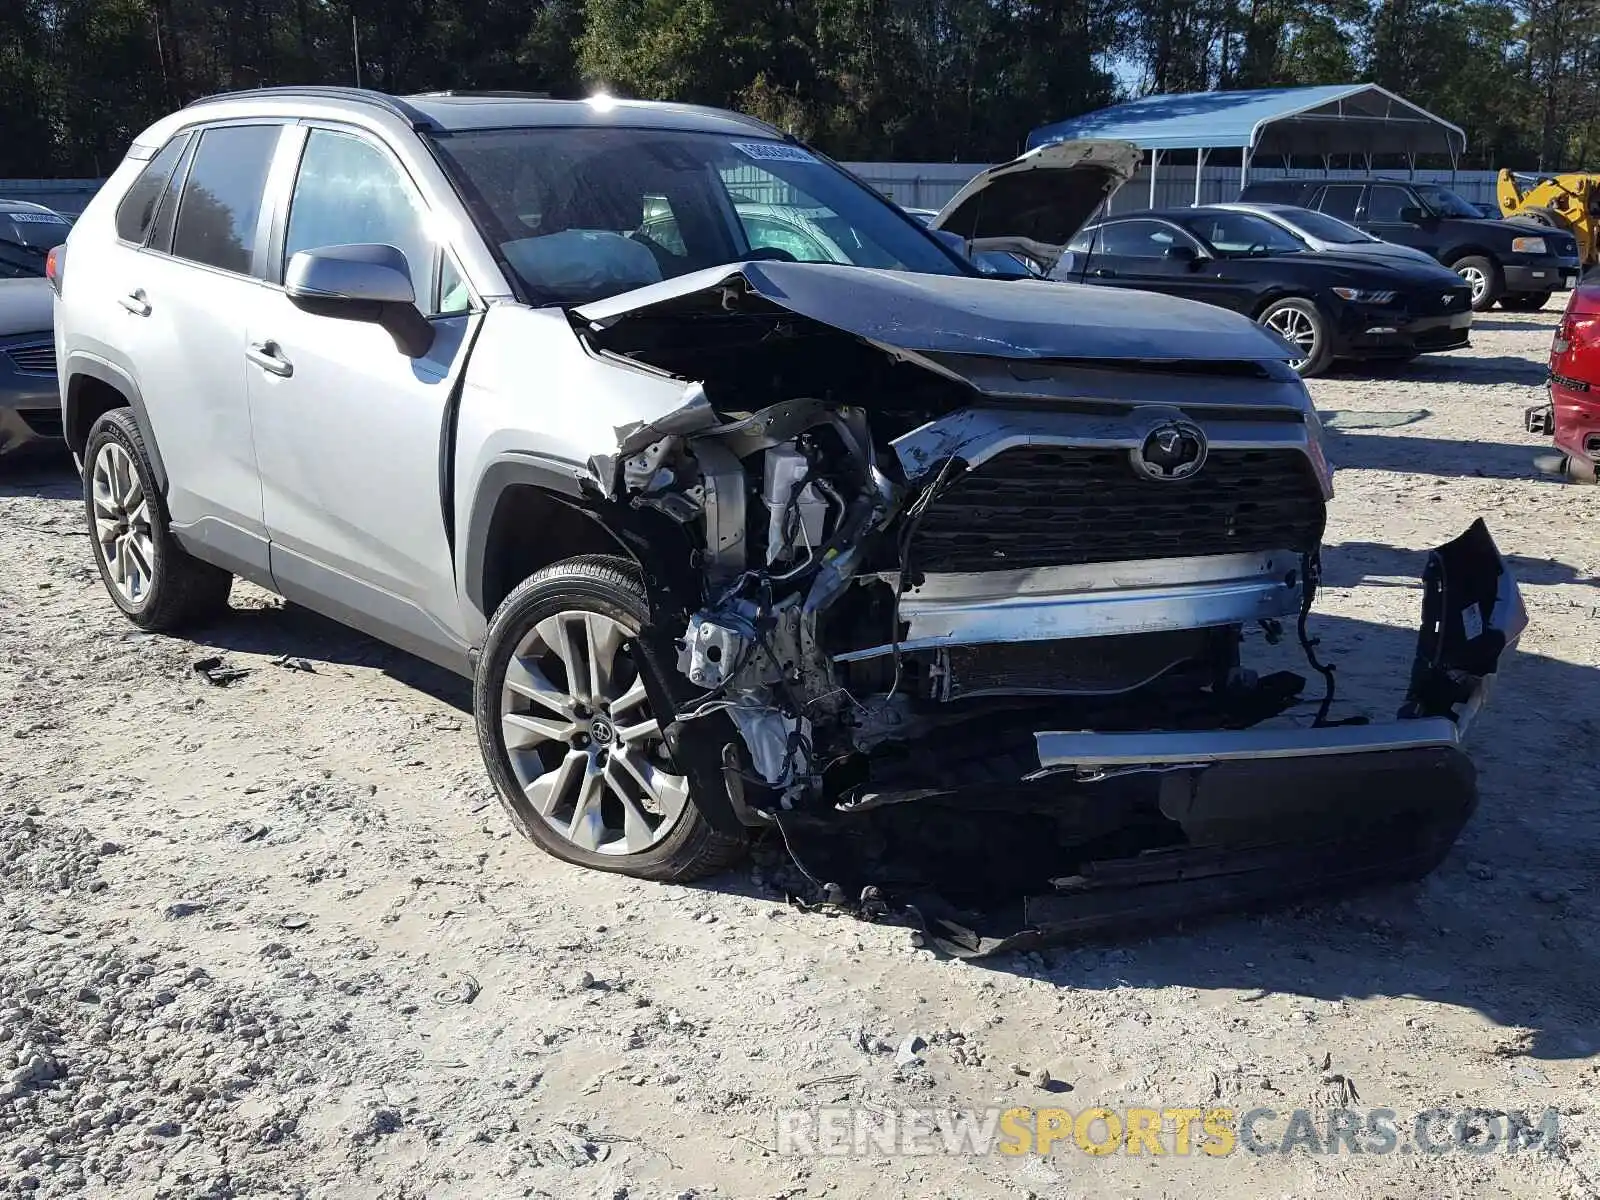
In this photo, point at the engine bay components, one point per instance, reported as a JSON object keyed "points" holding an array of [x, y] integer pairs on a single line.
{"points": [[911, 622]]}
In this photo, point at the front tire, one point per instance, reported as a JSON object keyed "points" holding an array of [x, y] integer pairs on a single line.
{"points": [[1301, 323], [568, 735], [1524, 301], [156, 583], [1483, 277]]}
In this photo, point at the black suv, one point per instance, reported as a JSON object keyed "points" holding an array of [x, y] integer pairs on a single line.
{"points": [[1508, 261]]}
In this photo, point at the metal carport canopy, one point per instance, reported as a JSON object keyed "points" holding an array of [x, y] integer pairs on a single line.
{"points": [[1355, 119]]}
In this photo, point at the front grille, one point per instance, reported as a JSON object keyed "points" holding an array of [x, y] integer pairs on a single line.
{"points": [[1061, 506], [1091, 665], [1440, 301], [36, 359]]}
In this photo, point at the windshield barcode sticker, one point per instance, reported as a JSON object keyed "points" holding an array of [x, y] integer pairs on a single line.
{"points": [[774, 152], [25, 218]]}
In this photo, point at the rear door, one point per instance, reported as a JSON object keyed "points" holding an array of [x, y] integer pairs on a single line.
{"points": [[179, 302], [1342, 200], [351, 433]]}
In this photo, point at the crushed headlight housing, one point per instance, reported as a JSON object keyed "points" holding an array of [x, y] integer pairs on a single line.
{"points": [[1528, 245], [1363, 295]]}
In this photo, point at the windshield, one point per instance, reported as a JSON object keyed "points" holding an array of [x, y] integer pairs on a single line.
{"points": [[1445, 202], [1325, 228], [580, 214], [25, 238], [1241, 235]]}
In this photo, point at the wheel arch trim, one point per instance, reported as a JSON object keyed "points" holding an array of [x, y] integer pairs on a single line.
{"points": [[557, 478], [83, 365]]}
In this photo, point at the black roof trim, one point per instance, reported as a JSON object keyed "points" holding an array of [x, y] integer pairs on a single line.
{"points": [[391, 104]]}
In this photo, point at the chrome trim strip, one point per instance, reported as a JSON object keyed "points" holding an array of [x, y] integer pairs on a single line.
{"points": [[980, 434]]}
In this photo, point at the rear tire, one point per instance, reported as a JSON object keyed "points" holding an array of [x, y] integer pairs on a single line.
{"points": [[575, 752], [156, 583], [1484, 278], [1301, 323], [1524, 301]]}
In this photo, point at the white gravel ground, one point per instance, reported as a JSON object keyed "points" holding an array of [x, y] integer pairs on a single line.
{"points": [[276, 939]]}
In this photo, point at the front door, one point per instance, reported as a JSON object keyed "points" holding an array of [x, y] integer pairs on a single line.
{"points": [[1157, 256], [349, 430], [1387, 208]]}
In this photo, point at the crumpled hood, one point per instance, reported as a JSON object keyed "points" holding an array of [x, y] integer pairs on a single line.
{"points": [[956, 314]]}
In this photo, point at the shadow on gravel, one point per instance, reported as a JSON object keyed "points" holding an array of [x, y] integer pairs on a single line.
{"points": [[1508, 926], [1374, 564], [1446, 368], [301, 633], [39, 474], [1502, 326], [1444, 457]]}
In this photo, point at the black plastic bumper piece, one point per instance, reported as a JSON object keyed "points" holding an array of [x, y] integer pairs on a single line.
{"points": [[1065, 860]]}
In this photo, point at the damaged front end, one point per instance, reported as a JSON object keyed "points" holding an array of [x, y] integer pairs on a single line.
{"points": [[971, 621]]}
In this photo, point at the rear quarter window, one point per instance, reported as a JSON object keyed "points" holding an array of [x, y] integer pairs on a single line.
{"points": [[137, 212]]}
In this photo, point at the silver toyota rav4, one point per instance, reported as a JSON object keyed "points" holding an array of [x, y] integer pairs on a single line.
{"points": [[749, 504]]}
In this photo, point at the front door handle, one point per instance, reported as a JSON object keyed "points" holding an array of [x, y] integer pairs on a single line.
{"points": [[135, 303], [265, 355]]}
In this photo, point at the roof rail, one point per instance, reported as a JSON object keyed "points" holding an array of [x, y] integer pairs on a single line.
{"points": [[391, 104], [487, 94]]}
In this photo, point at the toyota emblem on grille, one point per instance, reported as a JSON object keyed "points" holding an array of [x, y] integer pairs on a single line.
{"points": [[1171, 451]]}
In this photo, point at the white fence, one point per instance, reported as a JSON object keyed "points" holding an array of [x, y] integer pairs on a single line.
{"points": [[926, 185], [930, 185], [64, 195]]}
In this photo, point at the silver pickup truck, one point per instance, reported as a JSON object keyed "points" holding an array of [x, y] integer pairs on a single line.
{"points": [[749, 504]]}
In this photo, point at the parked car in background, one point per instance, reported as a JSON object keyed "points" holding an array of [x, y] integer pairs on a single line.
{"points": [[1329, 235], [30, 410], [27, 231], [733, 536], [989, 262], [1503, 261], [1572, 414], [1327, 306]]}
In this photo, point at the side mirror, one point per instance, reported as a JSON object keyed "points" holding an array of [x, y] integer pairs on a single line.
{"points": [[1184, 255], [1412, 215], [362, 282]]}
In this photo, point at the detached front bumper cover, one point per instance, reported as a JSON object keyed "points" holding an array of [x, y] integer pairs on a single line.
{"points": [[1116, 832]]}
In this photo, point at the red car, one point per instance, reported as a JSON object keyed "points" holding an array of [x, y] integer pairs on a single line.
{"points": [[1573, 414]]}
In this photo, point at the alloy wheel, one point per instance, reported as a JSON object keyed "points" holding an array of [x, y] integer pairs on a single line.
{"points": [[1296, 328], [122, 523], [583, 744], [1478, 281]]}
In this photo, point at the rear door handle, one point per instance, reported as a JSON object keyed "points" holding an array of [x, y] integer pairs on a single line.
{"points": [[265, 355], [135, 303]]}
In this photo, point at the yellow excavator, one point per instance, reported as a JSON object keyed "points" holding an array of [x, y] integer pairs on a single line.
{"points": [[1567, 201]]}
